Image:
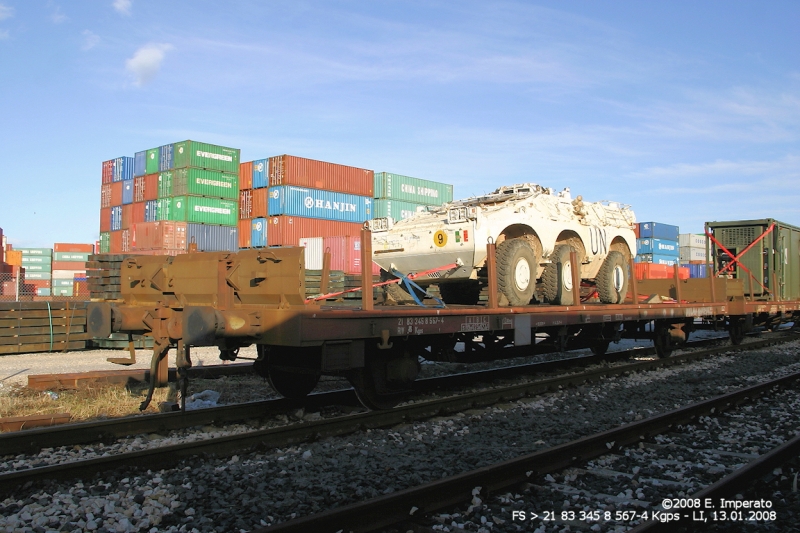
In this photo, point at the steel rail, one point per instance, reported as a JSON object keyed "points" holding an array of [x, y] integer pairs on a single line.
{"points": [[403, 505], [32, 440], [284, 435]]}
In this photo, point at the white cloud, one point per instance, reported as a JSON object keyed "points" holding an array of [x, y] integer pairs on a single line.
{"points": [[146, 62], [3, 35], [57, 16], [90, 39], [123, 6], [6, 12]]}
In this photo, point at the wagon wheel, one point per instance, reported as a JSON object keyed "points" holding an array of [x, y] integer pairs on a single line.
{"points": [[289, 380], [386, 378], [557, 277], [662, 340], [736, 332], [600, 346]]}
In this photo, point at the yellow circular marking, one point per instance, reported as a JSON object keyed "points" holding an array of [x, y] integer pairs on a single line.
{"points": [[440, 238]]}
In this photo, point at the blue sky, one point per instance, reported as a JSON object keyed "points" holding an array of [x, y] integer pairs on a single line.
{"points": [[688, 111]]}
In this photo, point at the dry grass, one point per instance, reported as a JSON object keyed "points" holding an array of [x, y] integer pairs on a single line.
{"points": [[110, 401]]}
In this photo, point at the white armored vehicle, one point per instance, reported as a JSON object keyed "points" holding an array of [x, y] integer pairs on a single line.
{"points": [[535, 231]]}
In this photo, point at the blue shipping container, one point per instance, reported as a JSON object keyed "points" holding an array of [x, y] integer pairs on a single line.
{"points": [[123, 169], [127, 192], [210, 238], [696, 271], [657, 230], [258, 232], [165, 162], [260, 173], [657, 246], [658, 259], [140, 163], [316, 203], [151, 211], [116, 218]]}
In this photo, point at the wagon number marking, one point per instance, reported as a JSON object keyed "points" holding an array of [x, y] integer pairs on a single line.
{"points": [[440, 238]]}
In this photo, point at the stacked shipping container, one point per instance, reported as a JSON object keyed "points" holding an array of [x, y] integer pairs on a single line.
{"points": [[399, 197], [69, 269]]}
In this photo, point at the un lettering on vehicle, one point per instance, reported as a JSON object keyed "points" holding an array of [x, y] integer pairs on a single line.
{"points": [[598, 241]]}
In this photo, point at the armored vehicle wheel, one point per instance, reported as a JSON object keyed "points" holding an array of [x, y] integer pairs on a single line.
{"points": [[287, 377], [516, 271], [612, 279], [460, 292], [557, 277]]}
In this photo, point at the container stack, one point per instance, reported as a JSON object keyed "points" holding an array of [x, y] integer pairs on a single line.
{"points": [[399, 197], [693, 253], [116, 202], [69, 269], [38, 265], [657, 251]]}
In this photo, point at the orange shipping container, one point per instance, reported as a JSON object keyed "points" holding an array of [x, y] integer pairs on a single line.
{"points": [[105, 195], [116, 193], [115, 242], [14, 257], [72, 247], [246, 175], [151, 187], [260, 202], [68, 265], [105, 219], [126, 240], [127, 216], [161, 235], [244, 233], [656, 271], [292, 170], [246, 204], [138, 212], [287, 231], [138, 189]]}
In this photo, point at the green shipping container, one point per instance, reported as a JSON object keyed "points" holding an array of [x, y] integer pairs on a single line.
{"points": [[63, 291], [199, 210], [198, 182], [36, 259], [397, 187], [37, 275], [56, 282], [105, 242], [153, 156], [772, 259], [35, 251], [396, 209], [201, 155], [72, 256], [37, 267]]}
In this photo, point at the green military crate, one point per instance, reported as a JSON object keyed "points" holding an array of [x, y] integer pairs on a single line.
{"points": [[773, 259]]}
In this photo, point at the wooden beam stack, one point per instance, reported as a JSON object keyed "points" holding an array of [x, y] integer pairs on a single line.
{"points": [[55, 326]]}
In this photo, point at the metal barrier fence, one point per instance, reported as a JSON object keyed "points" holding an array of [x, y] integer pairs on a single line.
{"points": [[14, 288]]}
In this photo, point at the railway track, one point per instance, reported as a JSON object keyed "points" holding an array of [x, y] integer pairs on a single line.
{"points": [[287, 435], [568, 462], [33, 440]]}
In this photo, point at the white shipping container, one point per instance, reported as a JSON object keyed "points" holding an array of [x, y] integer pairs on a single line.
{"points": [[68, 274], [314, 252], [692, 253], [695, 240]]}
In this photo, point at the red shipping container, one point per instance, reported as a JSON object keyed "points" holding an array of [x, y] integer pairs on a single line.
{"points": [[108, 171], [105, 219], [105, 195], [246, 204], [244, 233], [127, 216], [73, 247], [116, 193], [287, 231], [138, 212], [80, 288], [151, 187], [138, 189], [38, 283], [655, 271], [159, 236], [126, 240], [260, 202], [68, 265], [292, 170], [245, 175], [115, 242], [346, 254]]}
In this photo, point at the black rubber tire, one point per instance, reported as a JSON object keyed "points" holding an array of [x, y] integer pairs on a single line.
{"points": [[460, 292], [557, 277], [514, 258], [613, 278]]}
